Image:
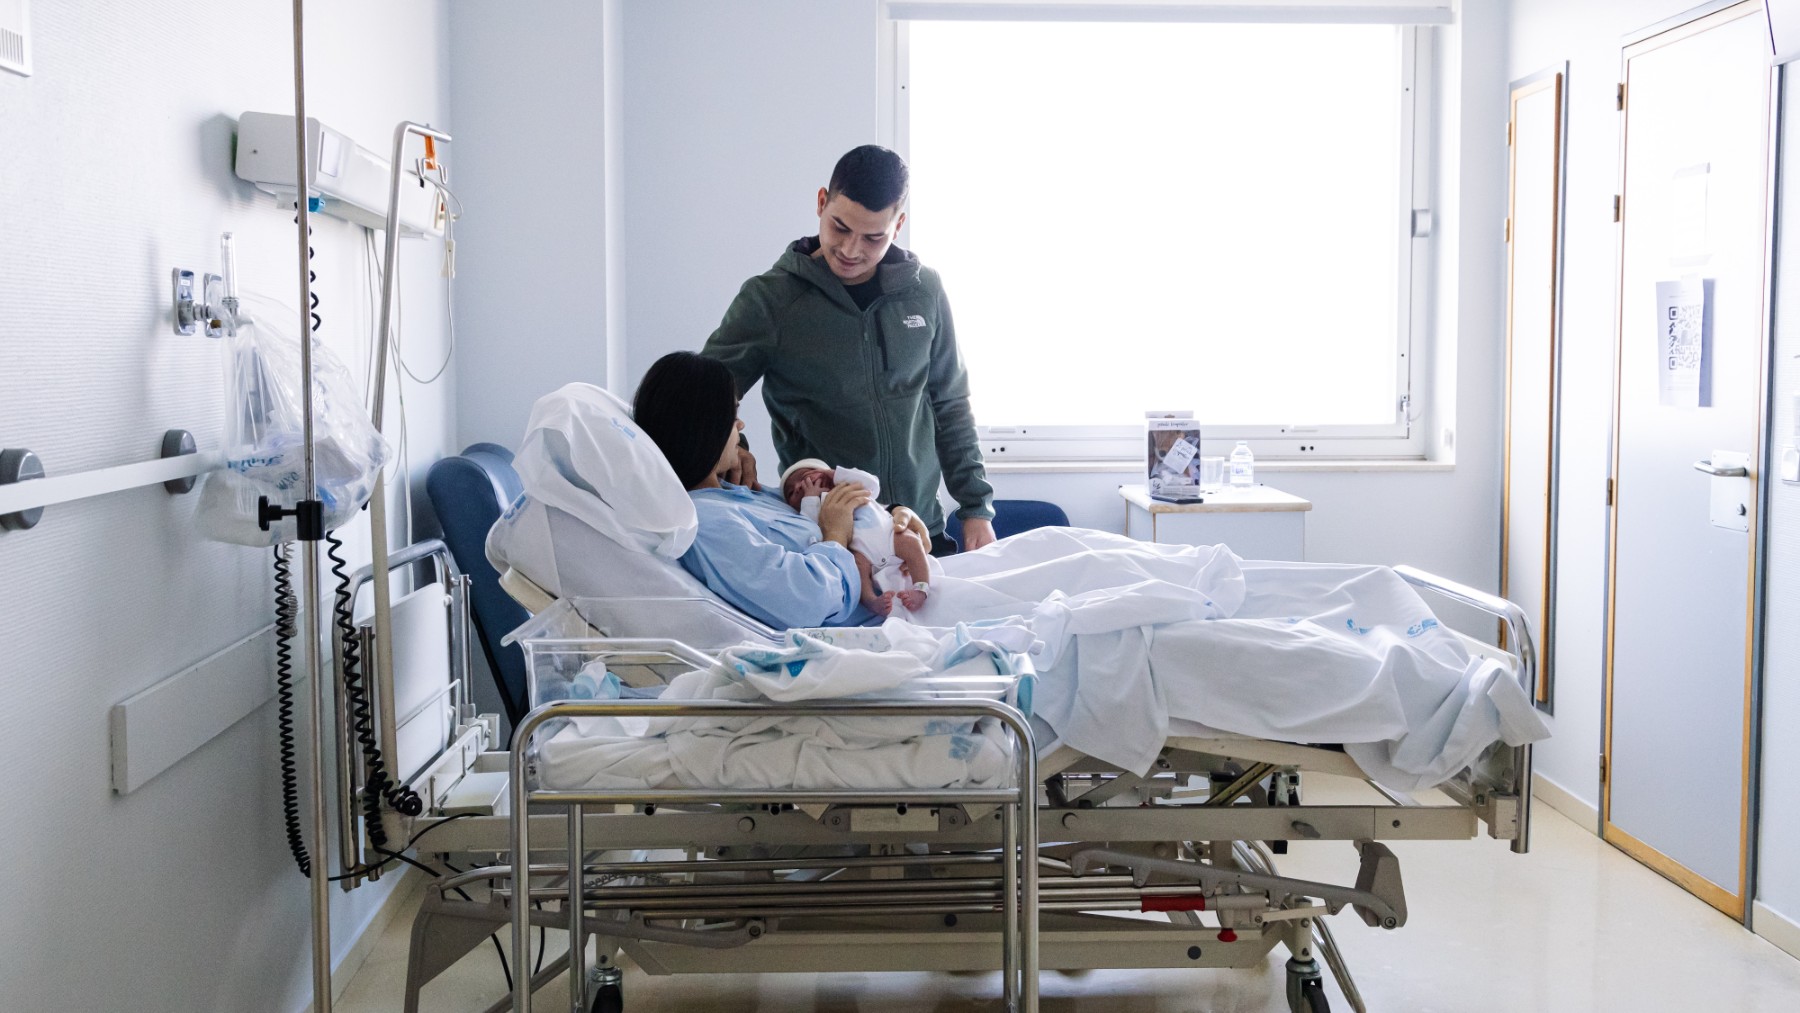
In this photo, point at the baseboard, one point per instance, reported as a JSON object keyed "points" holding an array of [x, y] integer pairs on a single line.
{"points": [[399, 899], [1777, 929], [1559, 798]]}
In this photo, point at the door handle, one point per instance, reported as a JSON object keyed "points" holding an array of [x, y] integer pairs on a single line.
{"points": [[1717, 472]]}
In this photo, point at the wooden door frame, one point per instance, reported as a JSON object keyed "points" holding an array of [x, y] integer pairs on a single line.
{"points": [[1736, 905], [1556, 80]]}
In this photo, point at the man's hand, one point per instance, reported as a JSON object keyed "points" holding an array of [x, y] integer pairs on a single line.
{"points": [[906, 520], [744, 472], [976, 532]]}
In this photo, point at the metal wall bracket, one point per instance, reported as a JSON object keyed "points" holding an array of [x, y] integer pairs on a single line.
{"points": [[177, 443], [20, 465], [194, 308]]}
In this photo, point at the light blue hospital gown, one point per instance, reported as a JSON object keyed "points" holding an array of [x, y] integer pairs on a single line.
{"points": [[755, 552]]}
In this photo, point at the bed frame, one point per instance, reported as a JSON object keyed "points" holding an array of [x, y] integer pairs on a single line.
{"points": [[1175, 868]]}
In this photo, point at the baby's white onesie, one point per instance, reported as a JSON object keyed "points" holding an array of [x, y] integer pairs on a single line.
{"points": [[872, 533]]}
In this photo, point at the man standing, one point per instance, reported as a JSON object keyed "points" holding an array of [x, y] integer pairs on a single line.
{"points": [[853, 341]]}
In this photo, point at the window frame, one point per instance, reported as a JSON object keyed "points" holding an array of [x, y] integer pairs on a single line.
{"points": [[1403, 439]]}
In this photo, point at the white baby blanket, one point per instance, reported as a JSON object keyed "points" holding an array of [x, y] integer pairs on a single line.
{"points": [[834, 752]]}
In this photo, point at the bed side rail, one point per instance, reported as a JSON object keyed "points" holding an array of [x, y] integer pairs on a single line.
{"points": [[1522, 646]]}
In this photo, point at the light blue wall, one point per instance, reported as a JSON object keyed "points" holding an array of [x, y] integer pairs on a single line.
{"points": [[530, 168]]}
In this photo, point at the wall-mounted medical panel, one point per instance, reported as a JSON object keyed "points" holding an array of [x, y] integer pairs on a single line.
{"points": [[15, 36]]}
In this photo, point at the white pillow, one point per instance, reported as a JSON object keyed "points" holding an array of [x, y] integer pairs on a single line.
{"points": [[603, 513], [585, 456]]}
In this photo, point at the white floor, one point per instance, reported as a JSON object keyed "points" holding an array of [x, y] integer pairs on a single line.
{"points": [[1575, 925]]}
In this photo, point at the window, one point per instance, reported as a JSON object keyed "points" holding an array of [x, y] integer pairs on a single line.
{"points": [[1131, 216]]}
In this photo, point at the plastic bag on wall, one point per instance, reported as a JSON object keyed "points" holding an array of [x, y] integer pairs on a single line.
{"points": [[264, 446]]}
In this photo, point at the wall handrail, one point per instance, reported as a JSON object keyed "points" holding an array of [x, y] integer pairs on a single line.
{"points": [[54, 489]]}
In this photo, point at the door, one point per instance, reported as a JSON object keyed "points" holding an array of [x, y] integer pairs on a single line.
{"points": [[1688, 396]]}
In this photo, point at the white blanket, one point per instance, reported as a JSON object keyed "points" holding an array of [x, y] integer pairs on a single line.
{"points": [[1299, 652], [1135, 639], [834, 752]]}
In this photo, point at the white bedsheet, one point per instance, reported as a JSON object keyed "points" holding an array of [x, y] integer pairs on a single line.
{"points": [[1299, 652]]}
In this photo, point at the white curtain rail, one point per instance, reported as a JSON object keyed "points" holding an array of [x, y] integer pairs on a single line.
{"points": [[54, 489], [1430, 12]]}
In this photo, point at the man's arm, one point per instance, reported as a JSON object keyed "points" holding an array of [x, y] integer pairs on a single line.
{"points": [[958, 448], [745, 338], [742, 342]]}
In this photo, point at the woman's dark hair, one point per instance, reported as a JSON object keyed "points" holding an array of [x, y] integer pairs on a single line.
{"points": [[688, 404]]}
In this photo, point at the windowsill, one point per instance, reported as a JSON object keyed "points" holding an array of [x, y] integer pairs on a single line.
{"points": [[1137, 467]]}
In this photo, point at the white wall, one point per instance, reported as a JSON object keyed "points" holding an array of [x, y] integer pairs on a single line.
{"points": [[115, 167], [530, 169], [1588, 36], [735, 114], [1546, 32]]}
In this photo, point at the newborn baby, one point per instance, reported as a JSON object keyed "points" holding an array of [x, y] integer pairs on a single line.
{"points": [[895, 562]]}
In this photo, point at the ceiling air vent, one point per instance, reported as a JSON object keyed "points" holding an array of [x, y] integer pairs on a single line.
{"points": [[15, 36]]}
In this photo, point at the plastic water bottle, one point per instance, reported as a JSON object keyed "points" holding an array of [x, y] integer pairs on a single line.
{"points": [[1243, 465]]}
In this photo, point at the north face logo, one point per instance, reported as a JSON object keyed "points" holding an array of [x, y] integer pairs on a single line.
{"points": [[914, 320]]}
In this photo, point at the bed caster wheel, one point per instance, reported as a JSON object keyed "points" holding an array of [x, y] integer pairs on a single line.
{"points": [[608, 990], [1305, 989]]}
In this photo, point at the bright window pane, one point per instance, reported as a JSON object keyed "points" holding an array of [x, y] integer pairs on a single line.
{"points": [[1137, 216]]}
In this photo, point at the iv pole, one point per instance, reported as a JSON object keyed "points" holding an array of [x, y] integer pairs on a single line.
{"points": [[309, 517], [378, 534]]}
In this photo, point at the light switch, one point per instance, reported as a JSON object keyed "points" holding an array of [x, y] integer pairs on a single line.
{"points": [[1790, 465]]}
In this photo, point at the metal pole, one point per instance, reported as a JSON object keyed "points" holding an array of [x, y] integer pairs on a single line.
{"points": [[521, 863], [577, 940], [1028, 788], [382, 664], [1010, 897], [309, 557]]}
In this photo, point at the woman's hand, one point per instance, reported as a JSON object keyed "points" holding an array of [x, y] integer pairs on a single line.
{"points": [[744, 473], [906, 520], [837, 510]]}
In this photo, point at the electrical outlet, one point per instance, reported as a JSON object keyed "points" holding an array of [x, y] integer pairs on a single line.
{"points": [[1449, 437]]}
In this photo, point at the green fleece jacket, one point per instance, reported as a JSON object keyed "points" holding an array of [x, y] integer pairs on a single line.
{"points": [[881, 389]]}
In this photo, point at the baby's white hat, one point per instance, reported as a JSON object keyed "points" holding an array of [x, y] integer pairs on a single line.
{"points": [[804, 462]]}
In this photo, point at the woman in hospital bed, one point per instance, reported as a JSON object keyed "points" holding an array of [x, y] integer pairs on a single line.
{"points": [[1138, 641], [760, 554]]}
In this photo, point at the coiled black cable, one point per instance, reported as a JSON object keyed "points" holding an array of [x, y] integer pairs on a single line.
{"points": [[380, 784], [287, 607], [312, 277]]}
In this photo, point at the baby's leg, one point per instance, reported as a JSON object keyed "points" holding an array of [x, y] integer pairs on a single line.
{"points": [[872, 598], [915, 558]]}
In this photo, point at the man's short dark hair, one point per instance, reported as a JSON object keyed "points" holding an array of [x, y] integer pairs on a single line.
{"points": [[687, 404], [872, 176]]}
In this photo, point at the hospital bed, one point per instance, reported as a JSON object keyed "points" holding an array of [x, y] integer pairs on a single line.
{"points": [[1167, 868], [1170, 863]]}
